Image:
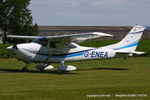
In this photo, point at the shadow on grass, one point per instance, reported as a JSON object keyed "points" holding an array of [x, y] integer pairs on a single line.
{"points": [[111, 69], [36, 71], [102, 68], [57, 72]]}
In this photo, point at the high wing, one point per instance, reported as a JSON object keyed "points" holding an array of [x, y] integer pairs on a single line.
{"points": [[69, 37]]}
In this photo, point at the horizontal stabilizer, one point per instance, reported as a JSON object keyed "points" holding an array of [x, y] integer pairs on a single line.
{"points": [[129, 52], [139, 53]]}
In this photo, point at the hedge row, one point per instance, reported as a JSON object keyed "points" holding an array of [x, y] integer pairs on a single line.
{"points": [[4, 53]]}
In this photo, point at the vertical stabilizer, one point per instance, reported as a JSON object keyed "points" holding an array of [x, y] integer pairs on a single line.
{"points": [[131, 40]]}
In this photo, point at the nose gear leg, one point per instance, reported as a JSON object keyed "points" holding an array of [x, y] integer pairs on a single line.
{"points": [[25, 69]]}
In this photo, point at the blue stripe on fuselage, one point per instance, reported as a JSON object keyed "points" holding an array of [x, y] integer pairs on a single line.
{"points": [[128, 46], [74, 55], [82, 52], [135, 32], [70, 55]]}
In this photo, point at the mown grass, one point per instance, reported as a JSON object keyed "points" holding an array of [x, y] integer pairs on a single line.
{"points": [[113, 76]]}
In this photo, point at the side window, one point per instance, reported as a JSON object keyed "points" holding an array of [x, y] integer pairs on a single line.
{"points": [[57, 45], [68, 45], [61, 45], [52, 45], [45, 42]]}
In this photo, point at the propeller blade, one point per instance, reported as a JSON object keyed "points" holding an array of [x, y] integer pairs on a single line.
{"points": [[15, 46]]}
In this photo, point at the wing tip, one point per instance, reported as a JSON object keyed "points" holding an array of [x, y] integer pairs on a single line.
{"points": [[102, 34]]}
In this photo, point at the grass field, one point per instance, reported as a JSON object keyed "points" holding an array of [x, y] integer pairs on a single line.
{"points": [[95, 77], [113, 76]]}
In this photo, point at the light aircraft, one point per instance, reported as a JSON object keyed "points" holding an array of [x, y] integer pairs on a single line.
{"points": [[60, 49]]}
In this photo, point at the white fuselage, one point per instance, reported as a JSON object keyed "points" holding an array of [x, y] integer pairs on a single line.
{"points": [[34, 52]]}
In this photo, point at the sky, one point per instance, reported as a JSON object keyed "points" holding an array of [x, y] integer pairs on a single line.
{"points": [[91, 12]]}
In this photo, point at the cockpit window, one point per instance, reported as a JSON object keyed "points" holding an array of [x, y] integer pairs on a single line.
{"points": [[53, 44], [68, 45], [42, 41]]}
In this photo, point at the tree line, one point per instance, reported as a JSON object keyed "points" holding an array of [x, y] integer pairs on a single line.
{"points": [[16, 19]]}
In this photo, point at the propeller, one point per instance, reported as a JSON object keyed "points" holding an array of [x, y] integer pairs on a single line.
{"points": [[15, 46], [15, 41]]}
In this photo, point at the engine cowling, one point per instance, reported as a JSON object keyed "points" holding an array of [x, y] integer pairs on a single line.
{"points": [[66, 68]]}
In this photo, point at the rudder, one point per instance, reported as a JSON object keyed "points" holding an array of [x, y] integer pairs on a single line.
{"points": [[131, 40]]}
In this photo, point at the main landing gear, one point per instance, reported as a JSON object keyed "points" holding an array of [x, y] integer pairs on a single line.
{"points": [[66, 68], [25, 69], [44, 67]]}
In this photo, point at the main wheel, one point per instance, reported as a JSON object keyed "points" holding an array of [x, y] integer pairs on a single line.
{"points": [[42, 70]]}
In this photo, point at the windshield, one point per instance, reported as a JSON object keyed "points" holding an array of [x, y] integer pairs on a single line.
{"points": [[41, 41]]}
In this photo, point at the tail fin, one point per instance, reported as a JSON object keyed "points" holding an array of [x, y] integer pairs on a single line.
{"points": [[131, 40]]}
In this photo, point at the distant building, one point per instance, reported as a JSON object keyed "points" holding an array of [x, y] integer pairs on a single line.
{"points": [[118, 32]]}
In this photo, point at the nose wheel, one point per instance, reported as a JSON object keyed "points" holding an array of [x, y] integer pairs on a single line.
{"points": [[25, 69]]}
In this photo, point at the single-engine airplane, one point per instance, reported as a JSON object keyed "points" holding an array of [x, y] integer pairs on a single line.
{"points": [[59, 49]]}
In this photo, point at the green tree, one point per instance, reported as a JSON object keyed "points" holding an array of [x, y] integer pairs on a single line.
{"points": [[16, 19]]}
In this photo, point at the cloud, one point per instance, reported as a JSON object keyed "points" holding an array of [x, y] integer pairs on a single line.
{"points": [[117, 1], [72, 3], [90, 12], [89, 2], [107, 2], [69, 3]]}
